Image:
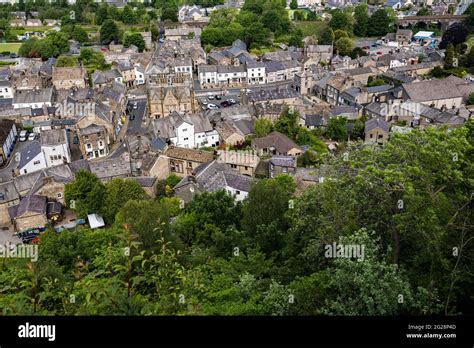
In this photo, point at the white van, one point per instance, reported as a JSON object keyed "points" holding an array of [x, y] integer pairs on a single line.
{"points": [[23, 135]]}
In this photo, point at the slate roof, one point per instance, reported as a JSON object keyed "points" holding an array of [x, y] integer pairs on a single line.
{"points": [[53, 137], [277, 140], [29, 152], [33, 96], [213, 176], [376, 123], [314, 120], [112, 167], [29, 203], [450, 87], [189, 154], [283, 161]]}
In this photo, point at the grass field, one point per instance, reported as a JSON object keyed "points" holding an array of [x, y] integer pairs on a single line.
{"points": [[310, 28], [10, 47]]}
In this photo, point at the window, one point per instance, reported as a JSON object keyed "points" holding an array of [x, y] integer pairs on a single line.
{"points": [[36, 162], [237, 192], [59, 195], [233, 166], [186, 138], [190, 164], [371, 136]]}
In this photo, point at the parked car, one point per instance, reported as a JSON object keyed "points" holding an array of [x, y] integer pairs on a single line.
{"points": [[131, 117], [226, 103], [135, 105], [203, 101], [232, 101], [218, 97], [210, 97], [31, 136], [212, 106], [23, 135]]}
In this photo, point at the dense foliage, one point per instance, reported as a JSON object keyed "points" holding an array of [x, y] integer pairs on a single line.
{"points": [[408, 203]]}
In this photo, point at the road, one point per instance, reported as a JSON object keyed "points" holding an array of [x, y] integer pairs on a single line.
{"points": [[462, 7], [199, 92], [6, 173], [134, 125]]}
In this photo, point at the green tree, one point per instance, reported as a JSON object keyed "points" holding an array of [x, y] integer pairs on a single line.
{"points": [[340, 33], [262, 127], [109, 32], [353, 285], [128, 15], [340, 20], [294, 4], [361, 17], [337, 128], [102, 14], [344, 46], [327, 37], [79, 34], [379, 23], [85, 195], [287, 123], [264, 219], [449, 57], [296, 39], [134, 39], [118, 192], [66, 61]]}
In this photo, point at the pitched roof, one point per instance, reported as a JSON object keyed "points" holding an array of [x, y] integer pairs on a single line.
{"points": [[376, 123], [450, 87], [29, 152], [189, 154], [29, 203], [277, 140]]}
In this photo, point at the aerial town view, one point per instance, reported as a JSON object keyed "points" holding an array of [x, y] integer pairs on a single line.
{"points": [[236, 158]]}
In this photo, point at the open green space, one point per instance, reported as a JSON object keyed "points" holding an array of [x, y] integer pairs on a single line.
{"points": [[11, 47]]}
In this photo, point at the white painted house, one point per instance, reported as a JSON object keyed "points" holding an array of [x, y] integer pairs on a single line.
{"points": [[31, 158], [33, 98], [189, 131], [139, 76], [255, 72], [55, 147], [6, 90]]}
